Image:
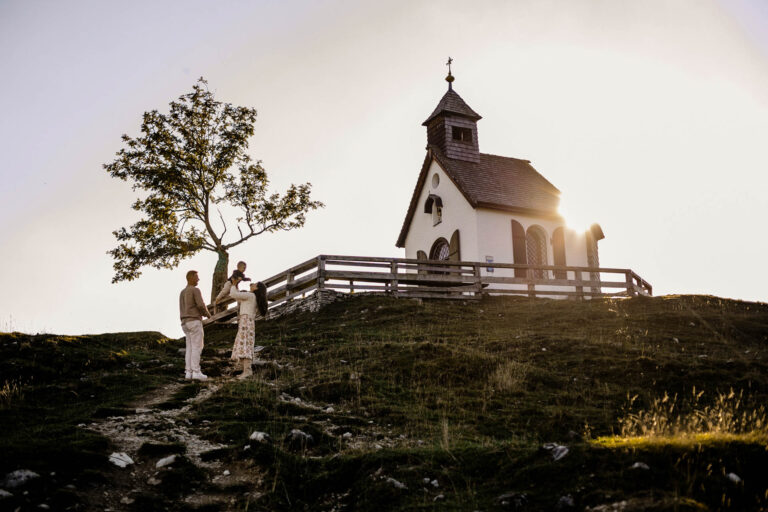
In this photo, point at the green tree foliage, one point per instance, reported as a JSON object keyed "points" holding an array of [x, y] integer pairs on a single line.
{"points": [[187, 164]]}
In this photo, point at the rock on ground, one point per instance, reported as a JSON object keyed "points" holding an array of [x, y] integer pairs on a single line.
{"points": [[397, 484], [261, 437], [558, 451], [120, 459], [166, 461], [18, 478]]}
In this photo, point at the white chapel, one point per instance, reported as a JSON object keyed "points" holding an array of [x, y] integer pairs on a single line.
{"points": [[472, 206]]}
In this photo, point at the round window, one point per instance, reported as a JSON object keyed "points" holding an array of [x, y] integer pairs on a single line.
{"points": [[435, 180]]}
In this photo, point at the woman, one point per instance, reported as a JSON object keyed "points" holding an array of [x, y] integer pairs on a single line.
{"points": [[242, 351]]}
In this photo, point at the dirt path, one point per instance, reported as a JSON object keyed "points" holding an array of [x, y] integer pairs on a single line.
{"points": [[161, 426], [155, 432], [152, 425]]}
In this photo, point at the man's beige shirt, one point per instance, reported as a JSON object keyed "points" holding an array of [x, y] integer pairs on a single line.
{"points": [[191, 305]]}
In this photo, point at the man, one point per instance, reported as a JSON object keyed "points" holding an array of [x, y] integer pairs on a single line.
{"points": [[192, 309]]}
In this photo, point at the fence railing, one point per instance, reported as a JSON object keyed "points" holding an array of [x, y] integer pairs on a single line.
{"points": [[403, 277]]}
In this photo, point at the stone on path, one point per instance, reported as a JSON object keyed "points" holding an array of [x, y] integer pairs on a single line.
{"points": [[166, 461], [299, 439], [120, 459], [18, 478], [397, 484], [558, 451], [261, 437]]}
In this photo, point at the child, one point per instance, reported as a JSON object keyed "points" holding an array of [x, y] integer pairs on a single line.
{"points": [[224, 293]]}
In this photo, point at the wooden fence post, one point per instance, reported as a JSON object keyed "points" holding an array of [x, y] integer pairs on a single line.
{"points": [[288, 284], [393, 269], [579, 275], [630, 284], [320, 272], [531, 285], [478, 279]]}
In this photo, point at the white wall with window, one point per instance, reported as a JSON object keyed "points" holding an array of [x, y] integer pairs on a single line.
{"points": [[495, 239], [488, 233], [455, 214]]}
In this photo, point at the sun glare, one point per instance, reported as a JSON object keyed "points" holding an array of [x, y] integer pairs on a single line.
{"points": [[575, 219]]}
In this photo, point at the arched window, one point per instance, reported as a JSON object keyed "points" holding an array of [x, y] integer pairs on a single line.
{"points": [[440, 250], [518, 248], [536, 249], [558, 252]]}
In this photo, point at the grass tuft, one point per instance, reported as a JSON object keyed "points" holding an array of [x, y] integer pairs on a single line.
{"points": [[509, 377], [676, 421], [11, 393]]}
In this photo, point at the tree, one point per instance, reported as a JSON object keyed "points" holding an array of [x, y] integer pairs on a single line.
{"points": [[188, 164]]}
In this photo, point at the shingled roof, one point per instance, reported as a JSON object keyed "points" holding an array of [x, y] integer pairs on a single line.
{"points": [[495, 182], [452, 103]]}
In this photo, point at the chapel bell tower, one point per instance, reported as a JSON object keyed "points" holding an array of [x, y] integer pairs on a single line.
{"points": [[452, 127]]}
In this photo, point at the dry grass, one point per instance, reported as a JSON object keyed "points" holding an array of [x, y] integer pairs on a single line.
{"points": [[445, 435], [509, 376], [11, 391], [669, 420]]}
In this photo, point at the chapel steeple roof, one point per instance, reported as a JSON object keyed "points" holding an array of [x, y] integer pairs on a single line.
{"points": [[451, 103]]}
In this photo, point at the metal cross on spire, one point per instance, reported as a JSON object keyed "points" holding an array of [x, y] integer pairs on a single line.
{"points": [[449, 78]]}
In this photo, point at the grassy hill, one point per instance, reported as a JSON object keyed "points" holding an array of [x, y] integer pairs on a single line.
{"points": [[410, 405]]}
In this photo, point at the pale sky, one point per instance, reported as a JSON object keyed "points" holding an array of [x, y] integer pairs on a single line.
{"points": [[651, 118]]}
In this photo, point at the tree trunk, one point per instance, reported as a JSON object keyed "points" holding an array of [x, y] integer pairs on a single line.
{"points": [[219, 274]]}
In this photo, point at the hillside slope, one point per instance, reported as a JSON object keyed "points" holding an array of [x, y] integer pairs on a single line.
{"points": [[410, 406]]}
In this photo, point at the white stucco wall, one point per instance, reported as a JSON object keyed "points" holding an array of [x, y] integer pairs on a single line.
{"points": [[484, 232], [457, 214], [494, 228]]}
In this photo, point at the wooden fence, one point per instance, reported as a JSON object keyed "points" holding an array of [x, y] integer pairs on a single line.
{"points": [[401, 277]]}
